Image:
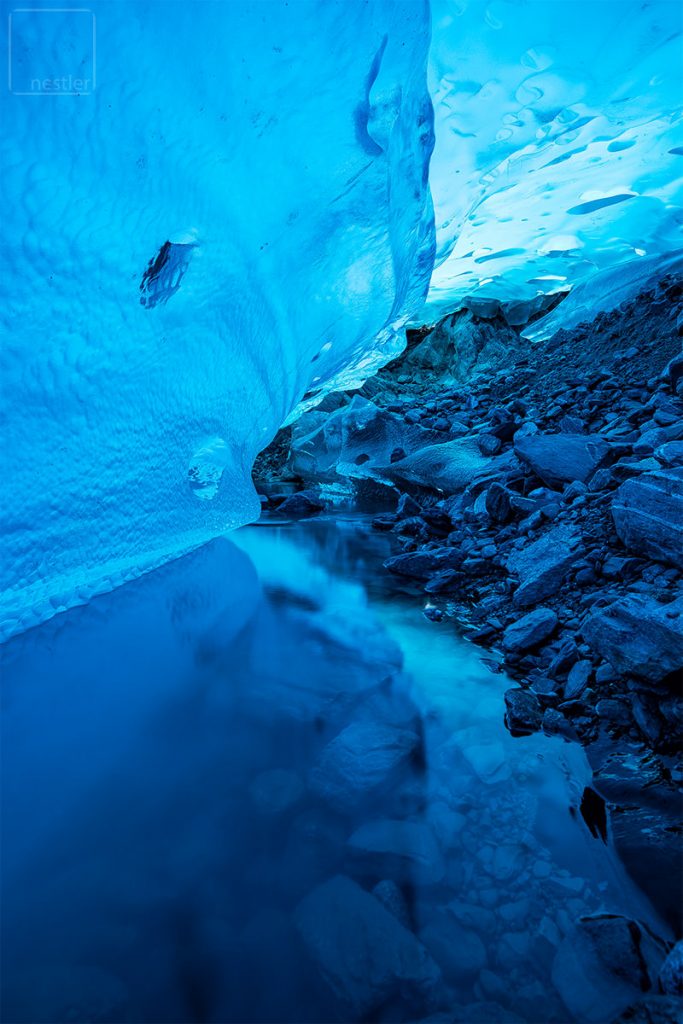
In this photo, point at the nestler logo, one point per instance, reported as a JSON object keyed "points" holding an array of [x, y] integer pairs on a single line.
{"points": [[51, 51]]}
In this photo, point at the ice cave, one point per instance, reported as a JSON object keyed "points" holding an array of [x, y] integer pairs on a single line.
{"points": [[341, 617]]}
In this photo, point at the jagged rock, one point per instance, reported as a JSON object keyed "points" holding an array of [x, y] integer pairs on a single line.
{"points": [[362, 951], [604, 964], [523, 712], [359, 761], [405, 850], [648, 515], [530, 630], [543, 565], [638, 636], [460, 343], [497, 502], [562, 458], [670, 453]]}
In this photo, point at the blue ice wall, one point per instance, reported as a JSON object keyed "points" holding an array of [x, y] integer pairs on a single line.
{"points": [[559, 142], [282, 150]]}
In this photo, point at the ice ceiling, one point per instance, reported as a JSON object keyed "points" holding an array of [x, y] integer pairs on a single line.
{"points": [[559, 141], [216, 212]]}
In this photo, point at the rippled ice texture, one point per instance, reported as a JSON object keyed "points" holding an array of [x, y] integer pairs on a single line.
{"points": [[282, 148], [559, 142]]}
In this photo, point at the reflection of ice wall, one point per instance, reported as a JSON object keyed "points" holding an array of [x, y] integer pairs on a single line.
{"points": [[282, 150], [559, 142]]}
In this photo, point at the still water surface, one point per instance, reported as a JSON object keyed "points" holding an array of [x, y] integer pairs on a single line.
{"points": [[259, 784]]}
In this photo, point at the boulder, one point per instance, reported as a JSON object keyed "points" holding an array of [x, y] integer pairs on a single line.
{"points": [[447, 468], [542, 565], [562, 458], [638, 636], [358, 761], [530, 630], [361, 950], [648, 515]]}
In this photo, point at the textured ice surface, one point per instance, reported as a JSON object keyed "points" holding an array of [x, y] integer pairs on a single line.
{"points": [[237, 214], [559, 142], [235, 218]]}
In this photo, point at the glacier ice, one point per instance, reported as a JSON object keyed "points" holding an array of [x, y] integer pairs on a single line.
{"points": [[559, 139], [237, 218], [237, 215]]}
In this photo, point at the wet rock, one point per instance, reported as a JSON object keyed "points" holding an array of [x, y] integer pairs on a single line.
{"points": [[542, 565], [670, 453], [523, 712], [562, 458], [530, 631], [304, 503], [578, 679], [638, 636], [405, 850], [488, 444], [671, 973], [359, 761], [421, 564], [362, 951], [604, 964], [648, 515]]}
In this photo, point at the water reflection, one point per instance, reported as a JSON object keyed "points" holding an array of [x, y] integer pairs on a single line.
{"points": [[256, 786]]}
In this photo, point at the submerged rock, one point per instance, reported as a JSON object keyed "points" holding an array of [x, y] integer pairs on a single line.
{"points": [[648, 515], [562, 458], [405, 850], [359, 761], [362, 951], [639, 636]]}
